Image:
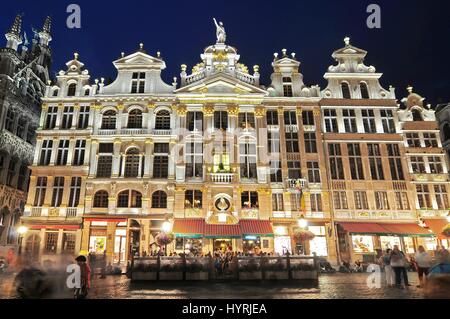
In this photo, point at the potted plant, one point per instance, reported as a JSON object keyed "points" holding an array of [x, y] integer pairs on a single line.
{"points": [[302, 236]]}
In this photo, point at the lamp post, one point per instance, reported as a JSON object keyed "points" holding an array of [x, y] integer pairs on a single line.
{"points": [[166, 227], [21, 230]]}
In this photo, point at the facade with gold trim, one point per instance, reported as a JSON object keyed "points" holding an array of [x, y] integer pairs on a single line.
{"points": [[218, 155]]}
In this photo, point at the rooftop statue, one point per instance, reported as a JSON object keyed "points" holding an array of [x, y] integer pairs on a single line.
{"points": [[220, 32]]}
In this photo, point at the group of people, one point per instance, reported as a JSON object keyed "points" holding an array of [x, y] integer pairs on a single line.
{"points": [[396, 264]]}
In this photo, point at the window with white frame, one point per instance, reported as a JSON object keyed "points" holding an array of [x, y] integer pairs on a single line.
{"points": [[247, 159], [272, 117], [430, 140], [58, 190], [79, 152], [316, 202], [273, 141], [63, 152], [355, 159], [387, 119], [194, 159], [441, 195], [292, 142], [75, 189], [290, 117], [313, 172], [361, 200], [401, 201], [336, 164], [83, 117], [132, 162], [395, 162], [194, 121], [294, 170], [46, 152], [418, 165], [413, 139], [138, 82], [246, 120], [41, 187], [330, 117], [423, 196], [349, 118], [376, 165], [277, 202], [104, 163], [308, 117], [221, 120], [310, 142], [275, 172], [381, 201], [340, 200], [368, 118], [67, 117], [436, 166], [287, 86]]}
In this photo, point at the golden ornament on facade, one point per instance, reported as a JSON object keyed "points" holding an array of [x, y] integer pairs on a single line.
{"points": [[208, 110], [181, 110], [260, 111], [220, 56], [233, 110]]}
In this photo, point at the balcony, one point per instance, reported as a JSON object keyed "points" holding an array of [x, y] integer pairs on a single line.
{"points": [[71, 212], [106, 132], [162, 132], [222, 178], [36, 211], [292, 184], [133, 131]]}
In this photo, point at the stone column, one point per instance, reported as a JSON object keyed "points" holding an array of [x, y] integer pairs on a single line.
{"points": [[116, 158], [71, 151], [54, 154], [76, 113], [85, 238], [59, 115], [148, 158], [93, 158]]}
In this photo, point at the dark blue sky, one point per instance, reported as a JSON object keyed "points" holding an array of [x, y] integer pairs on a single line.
{"points": [[412, 47]]}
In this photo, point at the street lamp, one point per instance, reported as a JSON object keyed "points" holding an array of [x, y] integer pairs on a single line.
{"points": [[21, 230], [302, 222], [166, 227]]}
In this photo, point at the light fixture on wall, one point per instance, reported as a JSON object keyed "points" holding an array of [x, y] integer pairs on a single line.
{"points": [[302, 222]]}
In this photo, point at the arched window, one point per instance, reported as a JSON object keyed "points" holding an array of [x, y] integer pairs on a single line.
{"points": [[159, 199], [135, 119], [129, 199], [345, 90], [109, 120], [447, 132], [417, 115], [71, 89], [132, 163], [55, 92], [162, 120], [87, 92], [101, 199], [364, 90]]}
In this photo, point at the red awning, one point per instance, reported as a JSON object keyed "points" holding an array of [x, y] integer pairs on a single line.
{"points": [[406, 229], [65, 227], [256, 227], [99, 219], [188, 227], [437, 225], [218, 231], [363, 228]]}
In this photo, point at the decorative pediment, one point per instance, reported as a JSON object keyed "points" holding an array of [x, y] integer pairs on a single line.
{"points": [[139, 59]]}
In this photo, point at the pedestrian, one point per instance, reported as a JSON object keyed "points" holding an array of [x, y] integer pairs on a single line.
{"points": [[437, 284], [398, 263], [386, 262], [81, 292], [423, 264], [442, 268]]}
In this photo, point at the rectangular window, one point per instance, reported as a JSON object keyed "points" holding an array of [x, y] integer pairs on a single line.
{"points": [[401, 200], [376, 165], [381, 201], [249, 199], [308, 118], [194, 121], [221, 153], [330, 117], [310, 142], [246, 120], [418, 165], [193, 199], [413, 139], [435, 163], [423, 196], [75, 189], [313, 172], [292, 142], [106, 148], [290, 118], [68, 243], [67, 118], [387, 119], [336, 165], [46, 152], [51, 242], [430, 140], [316, 202], [356, 166], [295, 202], [340, 200], [104, 166], [160, 167], [361, 200], [349, 117], [272, 117], [63, 152], [161, 148], [9, 121], [294, 170], [194, 160], [221, 120], [368, 118], [138, 82], [83, 118], [247, 160], [275, 172], [58, 190], [277, 203], [441, 197], [287, 87], [395, 162], [273, 141], [52, 114], [41, 187], [78, 155]]}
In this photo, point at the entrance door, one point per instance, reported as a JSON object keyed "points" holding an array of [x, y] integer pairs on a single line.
{"points": [[120, 246], [223, 244], [32, 247]]}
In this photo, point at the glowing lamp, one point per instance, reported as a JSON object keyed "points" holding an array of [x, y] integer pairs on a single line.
{"points": [[22, 230], [302, 222]]}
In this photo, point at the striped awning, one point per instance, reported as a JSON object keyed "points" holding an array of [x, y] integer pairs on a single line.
{"points": [[436, 226], [256, 227], [189, 227], [219, 231], [399, 229], [407, 230]]}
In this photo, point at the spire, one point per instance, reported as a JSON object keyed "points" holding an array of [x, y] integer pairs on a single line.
{"points": [[13, 37], [44, 35]]}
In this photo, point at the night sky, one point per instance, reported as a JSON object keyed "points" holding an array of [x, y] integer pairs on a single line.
{"points": [[412, 46]]}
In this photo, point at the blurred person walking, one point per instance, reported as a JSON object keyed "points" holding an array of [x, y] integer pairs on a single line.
{"points": [[423, 264], [398, 263], [85, 278], [386, 262]]}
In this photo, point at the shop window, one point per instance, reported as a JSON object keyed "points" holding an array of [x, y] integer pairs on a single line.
{"points": [[318, 244], [362, 244], [68, 243], [388, 242], [51, 241]]}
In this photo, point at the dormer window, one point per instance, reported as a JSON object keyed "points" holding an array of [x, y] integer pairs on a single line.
{"points": [[138, 82], [86, 92], [55, 92], [345, 90], [364, 90], [287, 87], [71, 89], [417, 115]]}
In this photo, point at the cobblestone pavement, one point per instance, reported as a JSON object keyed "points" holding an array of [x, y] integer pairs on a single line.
{"points": [[330, 286]]}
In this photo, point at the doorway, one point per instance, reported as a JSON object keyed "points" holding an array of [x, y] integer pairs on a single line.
{"points": [[32, 247], [223, 245]]}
